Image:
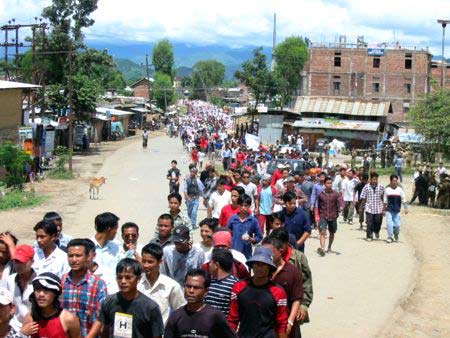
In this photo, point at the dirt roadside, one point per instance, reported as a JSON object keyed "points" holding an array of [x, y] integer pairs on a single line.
{"points": [[64, 196], [424, 310]]}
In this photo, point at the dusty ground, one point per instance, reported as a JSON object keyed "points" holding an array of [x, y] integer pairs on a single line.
{"points": [[367, 290]]}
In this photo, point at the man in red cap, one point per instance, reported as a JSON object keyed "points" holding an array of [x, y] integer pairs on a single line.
{"points": [[20, 284], [222, 240]]}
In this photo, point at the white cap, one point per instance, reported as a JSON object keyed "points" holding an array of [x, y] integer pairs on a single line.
{"points": [[6, 297]]}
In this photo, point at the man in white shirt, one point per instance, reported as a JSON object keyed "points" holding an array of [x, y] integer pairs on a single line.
{"points": [[166, 292], [348, 189], [130, 247], [218, 199], [262, 166], [337, 182], [106, 249], [48, 257], [250, 189], [20, 284]]}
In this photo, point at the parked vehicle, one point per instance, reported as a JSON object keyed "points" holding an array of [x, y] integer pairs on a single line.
{"points": [[320, 144], [299, 165]]}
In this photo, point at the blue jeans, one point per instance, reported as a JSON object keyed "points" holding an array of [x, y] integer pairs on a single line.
{"points": [[393, 223], [192, 208], [399, 173]]}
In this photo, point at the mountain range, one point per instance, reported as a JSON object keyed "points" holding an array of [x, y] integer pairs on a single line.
{"points": [[130, 58]]}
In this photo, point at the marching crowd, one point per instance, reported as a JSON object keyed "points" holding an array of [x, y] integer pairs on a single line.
{"points": [[247, 277]]}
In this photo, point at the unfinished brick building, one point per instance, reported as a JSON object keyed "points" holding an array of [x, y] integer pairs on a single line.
{"points": [[401, 76]]}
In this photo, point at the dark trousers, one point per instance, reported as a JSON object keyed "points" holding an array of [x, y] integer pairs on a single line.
{"points": [[360, 212], [373, 223], [173, 187]]}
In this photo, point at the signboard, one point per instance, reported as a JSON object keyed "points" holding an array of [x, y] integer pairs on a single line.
{"points": [[378, 51], [49, 142]]}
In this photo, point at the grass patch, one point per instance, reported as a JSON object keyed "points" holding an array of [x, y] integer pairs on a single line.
{"points": [[61, 174], [20, 199], [391, 170]]}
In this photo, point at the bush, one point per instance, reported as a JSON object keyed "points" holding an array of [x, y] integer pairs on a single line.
{"points": [[20, 199], [14, 160], [62, 156], [61, 174]]}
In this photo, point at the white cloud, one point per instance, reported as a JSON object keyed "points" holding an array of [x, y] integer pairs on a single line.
{"points": [[249, 22]]}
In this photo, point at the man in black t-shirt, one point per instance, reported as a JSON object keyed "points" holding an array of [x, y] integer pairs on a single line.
{"points": [[173, 175], [197, 319], [129, 313]]}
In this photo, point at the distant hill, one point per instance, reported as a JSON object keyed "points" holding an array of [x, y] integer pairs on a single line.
{"points": [[186, 55], [183, 71], [131, 71]]}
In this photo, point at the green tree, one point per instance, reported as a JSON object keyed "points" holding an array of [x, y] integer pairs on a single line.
{"points": [[163, 58], [85, 95], [14, 159], [100, 67], [163, 91], [256, 75], [206, 75], [431, 118], [77, 11], [290, 57]]}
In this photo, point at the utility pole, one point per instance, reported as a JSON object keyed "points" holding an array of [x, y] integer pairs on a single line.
{"points": [[443, 23], [33, 73], [70, 143]]}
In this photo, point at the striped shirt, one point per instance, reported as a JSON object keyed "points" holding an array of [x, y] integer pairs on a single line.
{"points": [[219, 293], [83, 299]]}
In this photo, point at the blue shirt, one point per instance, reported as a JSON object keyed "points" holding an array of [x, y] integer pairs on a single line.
{"points": [[266, 201], [399, 162], [316, 191], [297, 224], [250, 226]]}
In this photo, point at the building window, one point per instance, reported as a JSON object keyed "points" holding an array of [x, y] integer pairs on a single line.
{"points": [[376, 62], [336, 87], [408, 61], [375, 87], [405, 110], [337, 59], [407, 87]]}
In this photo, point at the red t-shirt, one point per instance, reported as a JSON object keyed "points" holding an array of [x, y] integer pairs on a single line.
{"points": [[194, 155], [258, 311], [276, 176], [226, 213], [240, 157]]}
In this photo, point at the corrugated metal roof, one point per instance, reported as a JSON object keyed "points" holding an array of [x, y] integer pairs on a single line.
{"points": [[330, 105], [16, 85]]}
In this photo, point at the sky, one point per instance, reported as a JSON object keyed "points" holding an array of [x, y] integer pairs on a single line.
{"points": [[237, 23]]}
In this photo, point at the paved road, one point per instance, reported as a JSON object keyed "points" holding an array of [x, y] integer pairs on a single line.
{"points": [[136, 187], [355, 290]]}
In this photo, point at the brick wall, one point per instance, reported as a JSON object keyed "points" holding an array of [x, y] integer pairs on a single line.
{"points": [[9, 134], [358, 77], [141, 91], [436, 73]]}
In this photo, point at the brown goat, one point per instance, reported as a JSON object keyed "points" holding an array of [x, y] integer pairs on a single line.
{"points": [[94, 186]]}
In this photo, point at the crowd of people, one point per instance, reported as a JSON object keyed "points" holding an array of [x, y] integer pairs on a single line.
{"points": [[248, 276]]}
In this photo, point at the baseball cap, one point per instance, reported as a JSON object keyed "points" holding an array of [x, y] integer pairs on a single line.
{"points": [[24, 253], [290, 179], [6, 296], [181, 234], [222, 238], [280, 166]]}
